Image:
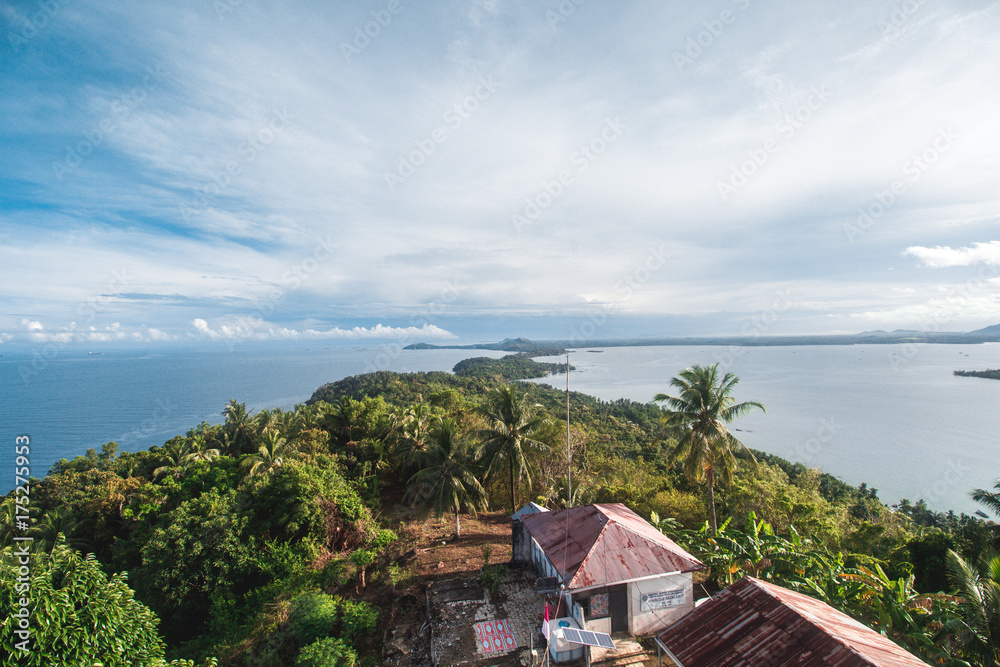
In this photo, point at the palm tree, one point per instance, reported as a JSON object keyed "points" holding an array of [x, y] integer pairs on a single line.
{"points": [[508, 437], [198, 450], [448, 478], [270, 455], [989, 499], [700, 414], [238, 427], [56, 521], [411, 441], [173, 455], [979, 626]]}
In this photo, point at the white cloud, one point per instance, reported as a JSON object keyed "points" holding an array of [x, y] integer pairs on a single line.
{"points": [[248, 329], [116, 245], [944, 256]]}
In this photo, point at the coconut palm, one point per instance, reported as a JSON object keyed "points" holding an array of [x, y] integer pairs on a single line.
{"points": [[447, 481], [978, 629], [699, 415], [173, 455], [412, 435], [271, 454], [508, 439], [199, 449], [56, 521], [238, 428], [989, 499]]}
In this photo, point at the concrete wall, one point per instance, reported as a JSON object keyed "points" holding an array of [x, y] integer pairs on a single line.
{"points": [[677, 590]]}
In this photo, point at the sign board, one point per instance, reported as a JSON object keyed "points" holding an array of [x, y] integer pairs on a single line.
{"points": [[662, 599]]}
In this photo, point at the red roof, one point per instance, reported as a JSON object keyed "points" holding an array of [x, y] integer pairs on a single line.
{"points": [[600, 545], [755, 623]]}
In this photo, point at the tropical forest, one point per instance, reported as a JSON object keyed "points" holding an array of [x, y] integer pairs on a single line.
{"points": [[291, 537]]}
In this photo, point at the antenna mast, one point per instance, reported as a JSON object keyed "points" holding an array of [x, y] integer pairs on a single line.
{"points": [[569, 453]]}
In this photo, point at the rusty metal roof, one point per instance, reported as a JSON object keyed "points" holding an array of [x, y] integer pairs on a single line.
{"points": [[599, 545], [754, 623]]}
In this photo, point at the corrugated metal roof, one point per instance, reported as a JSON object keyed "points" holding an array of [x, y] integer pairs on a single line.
{"points": [[754, 623], [530, 508], [598, 545]]}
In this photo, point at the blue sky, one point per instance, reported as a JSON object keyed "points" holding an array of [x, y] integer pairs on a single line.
{"points": [[268, 170]]}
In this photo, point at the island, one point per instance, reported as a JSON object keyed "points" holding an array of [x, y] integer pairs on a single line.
{"points": [[992, 374]]}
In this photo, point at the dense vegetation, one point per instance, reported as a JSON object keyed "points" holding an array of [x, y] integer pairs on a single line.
{"points": [[992, 374], [510, 367], [258, 542]]}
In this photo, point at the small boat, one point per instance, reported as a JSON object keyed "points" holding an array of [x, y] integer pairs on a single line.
{"points": [[96, 354], [982, 514]]}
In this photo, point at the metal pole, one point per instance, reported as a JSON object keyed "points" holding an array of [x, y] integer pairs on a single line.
{"points": [[569, 453]]}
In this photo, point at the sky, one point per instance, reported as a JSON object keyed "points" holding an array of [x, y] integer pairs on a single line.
{"points": [[456, 170]]}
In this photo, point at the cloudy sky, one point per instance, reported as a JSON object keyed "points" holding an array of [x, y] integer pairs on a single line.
{"points": [[265, 169]]}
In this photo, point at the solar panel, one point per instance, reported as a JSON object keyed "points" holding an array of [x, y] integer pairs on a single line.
{"points": [[588, 638]]}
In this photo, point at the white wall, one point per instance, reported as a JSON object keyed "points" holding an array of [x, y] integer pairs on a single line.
{"points": [[646, 622]]}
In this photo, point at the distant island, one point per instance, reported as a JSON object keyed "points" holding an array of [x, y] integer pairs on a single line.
{"points": [[990, 334], [510, 367], [520, 345], [991, 374]]}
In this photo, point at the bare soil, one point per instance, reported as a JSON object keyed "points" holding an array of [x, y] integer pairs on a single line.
{"points": [[430, 552]]}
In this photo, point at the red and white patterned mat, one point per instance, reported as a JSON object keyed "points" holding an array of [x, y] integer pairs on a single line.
{"points": [[495, 636]]}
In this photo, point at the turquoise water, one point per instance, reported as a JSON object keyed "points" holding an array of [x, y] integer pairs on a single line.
{"points": [[892, 416], [903, 423], [76, 400]]}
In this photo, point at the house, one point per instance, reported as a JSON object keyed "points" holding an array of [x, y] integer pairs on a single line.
{"points": [[755, 623], [614, 572]]}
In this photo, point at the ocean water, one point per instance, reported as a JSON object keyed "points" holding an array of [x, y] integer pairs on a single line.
{"points": [[140, 398], [894, 417]]}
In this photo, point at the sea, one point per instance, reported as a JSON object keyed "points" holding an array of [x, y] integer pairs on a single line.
{"points": [[892, 416]]}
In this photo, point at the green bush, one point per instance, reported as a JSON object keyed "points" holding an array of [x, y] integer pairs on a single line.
{"points": [[327, 652], [359, 618], [79, 615], [312, 616]]}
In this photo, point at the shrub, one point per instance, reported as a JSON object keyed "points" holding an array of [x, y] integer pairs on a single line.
{"points": [[359, 618], [312, 617], [328, 652]]}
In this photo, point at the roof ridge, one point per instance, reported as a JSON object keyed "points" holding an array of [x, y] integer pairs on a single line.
{"points": [[829, 631], [593, 548]]}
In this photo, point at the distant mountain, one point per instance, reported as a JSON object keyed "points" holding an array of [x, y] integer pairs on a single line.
{"points": [[990, 334], [993, 330]]}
